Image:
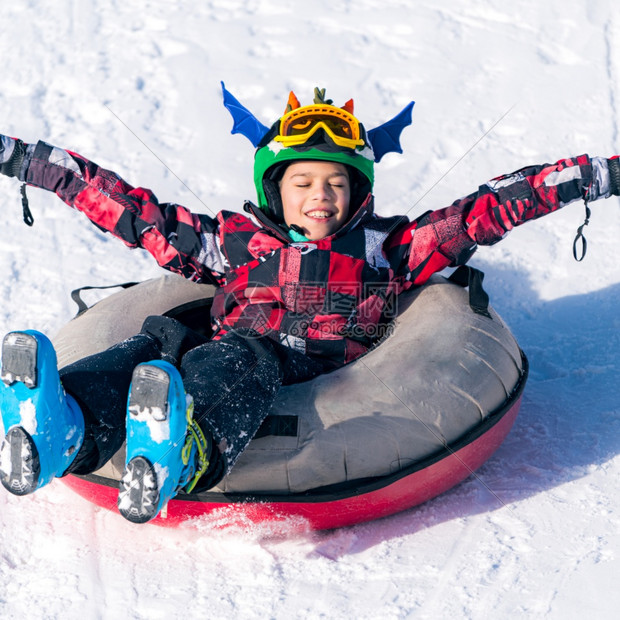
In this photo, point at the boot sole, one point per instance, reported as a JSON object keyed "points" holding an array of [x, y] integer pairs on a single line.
{"points": [[149, 392], [19, 462], [138, 496], [19, 359], [19, 459]]}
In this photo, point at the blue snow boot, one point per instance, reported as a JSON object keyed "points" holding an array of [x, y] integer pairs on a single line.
{"points": [[44, 426], [166, 449]]}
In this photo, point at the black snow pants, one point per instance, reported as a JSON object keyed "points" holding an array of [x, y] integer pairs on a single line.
{"points": [[233, 382]]}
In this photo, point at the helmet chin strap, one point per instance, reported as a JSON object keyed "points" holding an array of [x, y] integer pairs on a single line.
{"points": [[271, 187], [276, 210], [274, 200]]}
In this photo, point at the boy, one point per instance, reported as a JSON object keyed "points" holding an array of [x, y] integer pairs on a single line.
{"points": [[301, 292]]}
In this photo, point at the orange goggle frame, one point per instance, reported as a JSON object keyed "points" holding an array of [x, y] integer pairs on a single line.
{"points": [[297, 126]]}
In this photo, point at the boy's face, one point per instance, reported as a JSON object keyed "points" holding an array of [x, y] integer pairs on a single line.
{"points": [[315, 197]]}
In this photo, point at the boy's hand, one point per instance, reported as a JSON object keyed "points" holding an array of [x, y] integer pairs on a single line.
{"points": [[614, 175], [11, 155]]}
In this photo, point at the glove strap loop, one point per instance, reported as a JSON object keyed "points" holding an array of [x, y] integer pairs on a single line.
{"points": [[580, 237]]}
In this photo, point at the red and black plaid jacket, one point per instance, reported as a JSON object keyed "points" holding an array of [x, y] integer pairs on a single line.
{"points": [[327, 298]]}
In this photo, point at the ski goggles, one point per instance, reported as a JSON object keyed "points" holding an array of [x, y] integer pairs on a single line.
{"points": [[298, 126]]}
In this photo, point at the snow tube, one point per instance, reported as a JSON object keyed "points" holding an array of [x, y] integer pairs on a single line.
{"points": [[407, 421]]}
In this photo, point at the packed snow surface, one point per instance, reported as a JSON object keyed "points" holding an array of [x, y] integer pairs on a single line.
{"points": [[498, 85]]}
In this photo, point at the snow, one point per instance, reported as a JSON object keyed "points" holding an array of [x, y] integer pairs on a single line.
{"points": [[156, 421], [136, 87], [27, 414]]}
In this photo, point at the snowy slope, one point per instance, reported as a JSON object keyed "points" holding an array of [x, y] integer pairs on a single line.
{"points": [[135, 86]]}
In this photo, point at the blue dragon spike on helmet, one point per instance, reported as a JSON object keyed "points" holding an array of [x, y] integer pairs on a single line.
{"points": [[386, 138], [244, 122]]}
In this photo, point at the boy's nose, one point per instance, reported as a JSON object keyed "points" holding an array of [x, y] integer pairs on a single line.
{"points": [[322, 191]]}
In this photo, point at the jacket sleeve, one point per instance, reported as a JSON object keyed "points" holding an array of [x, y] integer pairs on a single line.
{"points": [[448, 237], [180, 241]]}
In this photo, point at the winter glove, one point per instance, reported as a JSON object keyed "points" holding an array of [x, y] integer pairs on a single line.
{"points": [[12, 154], [614, 175]]}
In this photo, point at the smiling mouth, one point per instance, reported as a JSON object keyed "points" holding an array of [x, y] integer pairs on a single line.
{"points": [[319, 215]]}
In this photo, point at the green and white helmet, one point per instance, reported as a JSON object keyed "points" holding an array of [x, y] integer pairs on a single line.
{"points": [[320, 131]]}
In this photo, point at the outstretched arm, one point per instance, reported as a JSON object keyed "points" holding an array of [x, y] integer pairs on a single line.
{"points": [[448, 237], [513, 199], [180, 241]]}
